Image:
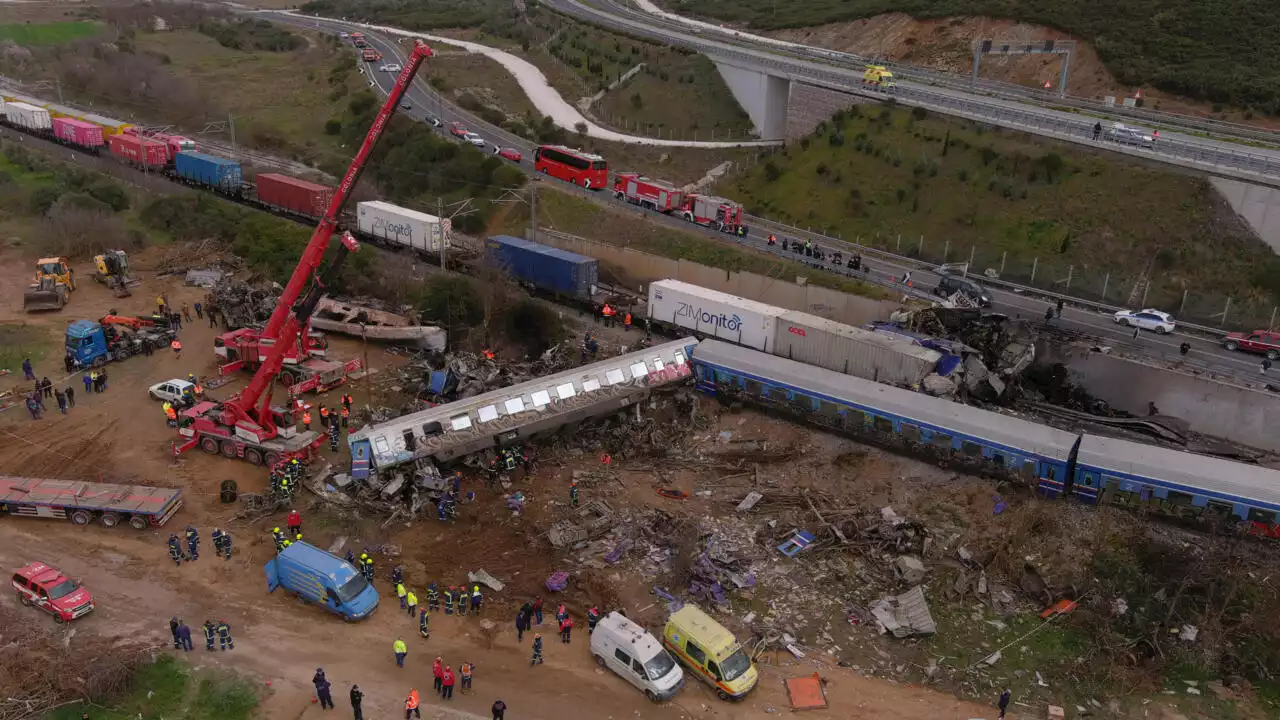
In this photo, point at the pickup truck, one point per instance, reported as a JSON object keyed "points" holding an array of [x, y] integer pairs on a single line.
{"points": [[41, 586], [322, 579], [1261, 342]]}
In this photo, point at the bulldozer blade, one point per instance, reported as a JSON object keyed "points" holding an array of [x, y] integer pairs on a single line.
{"points": [[35, 300]]}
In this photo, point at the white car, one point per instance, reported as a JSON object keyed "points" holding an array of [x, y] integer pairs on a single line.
{"points": [[1149, 319], [391, 68], [1126, 135], [475, 139], [170, 390]]}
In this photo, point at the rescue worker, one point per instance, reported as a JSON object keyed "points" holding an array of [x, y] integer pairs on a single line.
{"points": [[306, 417], [347, 401], [476, 597], [397, 575], [400, 593], [464, 672], [593, 617], [295, 522], [424, 624], [437, 671], [333, 436], [448, 600], [278, 536], [177, 348], [566, 628], [297, 538], [322, 693], [433, 598], [446, 683], [173, 630], [411, 705], [463, 600], [351, 558], [324, 416], [626, 322], [522, 624], [499, 710], [400, 651], [175, 550], [193, 543], [170, 414], [209, 630], [184, 637], [561, 613], [412, 604], [573, 492], [537, 608], [357, 697], [287, 543], [345, 413], [224, 636], [537, 650], [216, 535], [364, 561]]}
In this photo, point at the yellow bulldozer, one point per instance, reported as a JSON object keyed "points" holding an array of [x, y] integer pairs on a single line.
{"points": [[54, 283], [111, 268]]}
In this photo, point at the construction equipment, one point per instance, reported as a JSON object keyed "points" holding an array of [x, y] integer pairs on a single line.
{"points": [[94, 344], [112, 269], [247, 425], [54, 281]]}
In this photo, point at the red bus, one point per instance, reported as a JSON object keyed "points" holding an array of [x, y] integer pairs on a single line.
{"points": [[572, 166]]}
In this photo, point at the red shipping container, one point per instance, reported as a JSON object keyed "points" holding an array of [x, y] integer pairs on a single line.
{"points": [[294, 195], [78, 132], [131, 149]]}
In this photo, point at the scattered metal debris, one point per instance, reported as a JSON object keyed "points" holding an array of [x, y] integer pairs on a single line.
{"points": [[904, 615]]}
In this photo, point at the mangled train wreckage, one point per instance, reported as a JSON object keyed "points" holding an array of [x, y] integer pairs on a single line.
{"points": [[385, 453]]}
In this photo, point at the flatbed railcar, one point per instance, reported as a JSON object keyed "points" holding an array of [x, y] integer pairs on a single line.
{"points": [[82, 502]]}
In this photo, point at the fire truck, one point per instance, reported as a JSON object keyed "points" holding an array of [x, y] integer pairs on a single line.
{"points": [[247, 425], [706, 210], [371, 55]]}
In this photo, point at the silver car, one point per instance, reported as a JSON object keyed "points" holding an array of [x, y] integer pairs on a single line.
{"points": [[1126, 135]]}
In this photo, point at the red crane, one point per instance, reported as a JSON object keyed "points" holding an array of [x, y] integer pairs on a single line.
{"points": [[246, 425]]}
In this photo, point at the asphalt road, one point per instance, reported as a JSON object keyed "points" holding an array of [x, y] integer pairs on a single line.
{"points": [[424, 102]]}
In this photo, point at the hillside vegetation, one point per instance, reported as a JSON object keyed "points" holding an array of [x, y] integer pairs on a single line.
{"points": [[1222, 51], [946, 189]]}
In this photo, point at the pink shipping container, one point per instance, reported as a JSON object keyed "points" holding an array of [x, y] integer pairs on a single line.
{"points": [[294, 195], [78, 132], [131, 149]]}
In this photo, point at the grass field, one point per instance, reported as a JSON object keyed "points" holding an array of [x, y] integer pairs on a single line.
{"points": [[1187, 47], [571, 214], [50, 33], [168, 689], [1018, 205]]}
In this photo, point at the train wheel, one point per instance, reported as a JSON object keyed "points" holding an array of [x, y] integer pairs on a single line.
{"points": [[138, 522], [109, 519], [209, 445], [81, 517]]}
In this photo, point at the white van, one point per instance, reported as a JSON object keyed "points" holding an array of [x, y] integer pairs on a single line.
{"points": [[627, 649]]}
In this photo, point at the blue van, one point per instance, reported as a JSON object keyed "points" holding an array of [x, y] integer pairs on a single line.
{"points": [[323, 579]]}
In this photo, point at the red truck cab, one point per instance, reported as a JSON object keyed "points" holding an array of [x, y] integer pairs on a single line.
{"points": [[1262, 342], [41, 586]]}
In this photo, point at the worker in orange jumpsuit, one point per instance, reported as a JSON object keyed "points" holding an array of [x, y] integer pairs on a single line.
{"points": [[411, 705], [306, 418]]}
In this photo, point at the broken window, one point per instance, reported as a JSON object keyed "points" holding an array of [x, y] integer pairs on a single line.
{"points": [[778, 394], [941, 439], [1028, 469], [488, 413], [431, 429], [754, 388], [410, 442], [883, 424], [541, 399], [1262, 516], [855, 419], [1220, 508], [911, 432], [1179, 498], [970, 448], [515, 405], [460, 422], [997, 458]]}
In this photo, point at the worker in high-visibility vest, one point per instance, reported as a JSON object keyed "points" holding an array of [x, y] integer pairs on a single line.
{"points": [[626, 322], [345, 414], [324, 416], [607, 312], [306, 418], [177, 347], [170, 413]]}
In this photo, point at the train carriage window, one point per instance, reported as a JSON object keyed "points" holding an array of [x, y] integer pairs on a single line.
{"points": [[566, 391], [883, 424], [997, 458], [615, 376], [911, 432], [515, 405], [855, 419], [460, 422], [754, 388], [828, 408], [431, 429], [1218, 507], [968, 447], [778, 394], [941, 439], [1051, 472], [639, 370], [1262, 516], [410, 442], [679, 357], [381, 446], [1028, 470], [657, 365], [1110, 481], [591, 385], [1087, 479], [488, 413], [1179, 498], [541, 399]]}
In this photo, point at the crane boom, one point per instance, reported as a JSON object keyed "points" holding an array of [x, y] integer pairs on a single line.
{"points": [[289, 319]]}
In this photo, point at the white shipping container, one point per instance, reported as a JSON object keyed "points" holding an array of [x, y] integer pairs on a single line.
{"points": [[402, 226], [852, 350], [28, 117], [714, 314]]}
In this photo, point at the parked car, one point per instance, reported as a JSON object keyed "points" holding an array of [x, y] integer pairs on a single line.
{"points": [[39, 585], [1262, 342], [458, 130], [1126, 135], [475, 139], [1149, 319], [949, 285], [170, 390], [638, 657], [508, 153]]}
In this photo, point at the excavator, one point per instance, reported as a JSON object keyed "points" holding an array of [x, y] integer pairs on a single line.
{"points": [[111, 268], [247, 425], [54, 281]]}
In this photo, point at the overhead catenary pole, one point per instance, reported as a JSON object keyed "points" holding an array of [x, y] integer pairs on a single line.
{"points": [[440, 229]]}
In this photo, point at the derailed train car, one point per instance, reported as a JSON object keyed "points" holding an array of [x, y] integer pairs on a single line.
{"points": [[516, 414]]}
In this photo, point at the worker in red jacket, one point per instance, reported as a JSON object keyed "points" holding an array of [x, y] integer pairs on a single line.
{"points": [[295, 522], [446, 682]]}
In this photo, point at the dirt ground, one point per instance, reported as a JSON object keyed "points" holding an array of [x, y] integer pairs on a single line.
{"points": [[946, 44], [121, 436]]}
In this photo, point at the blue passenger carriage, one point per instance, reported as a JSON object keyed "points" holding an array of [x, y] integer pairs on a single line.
{"points": [[967, 438]]}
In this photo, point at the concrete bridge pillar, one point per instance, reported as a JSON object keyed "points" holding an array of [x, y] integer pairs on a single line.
{"points": [[763, 96]]}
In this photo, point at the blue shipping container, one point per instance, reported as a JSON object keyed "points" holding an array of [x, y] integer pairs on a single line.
{"points": [[215, 172], [546, 268]]}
